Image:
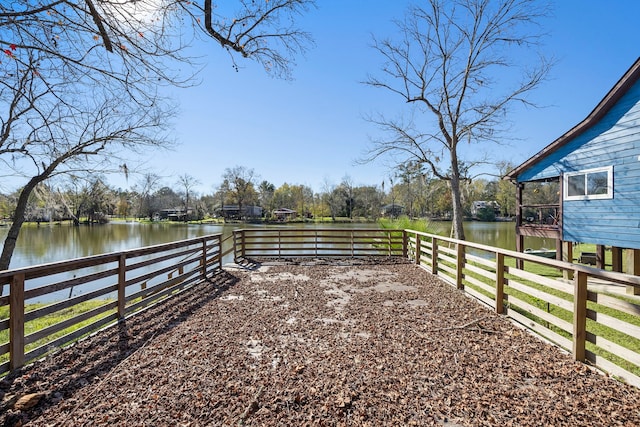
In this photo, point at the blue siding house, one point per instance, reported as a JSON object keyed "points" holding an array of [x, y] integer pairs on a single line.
{"points": [[596, 167]]}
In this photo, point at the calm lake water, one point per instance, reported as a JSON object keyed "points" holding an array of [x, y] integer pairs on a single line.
{"points": [[50, 243], [44, 244]]}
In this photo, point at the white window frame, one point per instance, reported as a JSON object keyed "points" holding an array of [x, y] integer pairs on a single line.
{"points": [[586, 172]]}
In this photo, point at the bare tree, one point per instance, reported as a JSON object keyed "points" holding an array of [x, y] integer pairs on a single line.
{"points": [[79, 80], [265, 192], [347, 188], [147, 185], [241, 183], [259, 30], [504, 193], [221, 195], [458, 64], [65, 138], [187, 182], [331, 196], [139, 41]]}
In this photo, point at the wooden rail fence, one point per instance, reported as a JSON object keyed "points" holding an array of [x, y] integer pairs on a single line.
{"points": [[92, 292], [593, 313], [588, 311], [320, 242]]}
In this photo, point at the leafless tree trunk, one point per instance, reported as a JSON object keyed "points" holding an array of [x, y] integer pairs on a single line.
{"points": [[187, 182], [241, 184], [148, 184], [459, 63], [79, 80], [64, 141]]}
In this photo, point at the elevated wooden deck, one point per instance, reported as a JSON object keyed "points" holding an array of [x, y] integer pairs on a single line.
{"points": [[572, 314], [320, 342]]}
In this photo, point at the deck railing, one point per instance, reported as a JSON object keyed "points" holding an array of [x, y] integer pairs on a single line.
{"points": [[593, 313], [540, 215], [320, 242], [51, 305]]}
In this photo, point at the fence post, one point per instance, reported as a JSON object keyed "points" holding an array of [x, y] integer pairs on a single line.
{"points": [[418, 249], [459, 265], [499, 283], [633, 267], [405, 244], [434, 256], [122, 267], [567, 256], [16, 321], [579, 315], [242, 246], [204, 259], [235, 246], [353, 245]]}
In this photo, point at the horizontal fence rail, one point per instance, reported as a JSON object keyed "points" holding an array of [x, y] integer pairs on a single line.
{"points": [[593, 313], [321, 242], [585, 310], [51, 305]]}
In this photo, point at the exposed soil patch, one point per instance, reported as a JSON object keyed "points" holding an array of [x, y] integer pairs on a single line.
{"points": [[322, 344]]}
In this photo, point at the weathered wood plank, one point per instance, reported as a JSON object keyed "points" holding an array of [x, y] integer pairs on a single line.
{"points": [[66, 284], [16, 321], [479, 296], [61, 305], [477, 283], [490, 263], [499, 284], [552, 299], [481, 272], [50, 269], [60, 326], [536, 278], [579, 316], [538, 312], [613, 369], [615, 303], [159, 259], [538, 328], [613, 348], [69, 338], [617, 324]]}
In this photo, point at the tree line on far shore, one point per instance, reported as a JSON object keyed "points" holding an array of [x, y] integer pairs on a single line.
{"points": [[409, 191]]}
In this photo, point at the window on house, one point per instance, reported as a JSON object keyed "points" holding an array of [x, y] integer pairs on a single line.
{"points": [[589, 184]]}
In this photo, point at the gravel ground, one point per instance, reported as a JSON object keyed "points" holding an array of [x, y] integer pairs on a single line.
{"points": [[321, 344]]}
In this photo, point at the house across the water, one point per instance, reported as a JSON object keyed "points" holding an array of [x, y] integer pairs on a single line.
{"points": [[479, 205], [595, 167], [235, 212], [284, 214], [392, 210]]}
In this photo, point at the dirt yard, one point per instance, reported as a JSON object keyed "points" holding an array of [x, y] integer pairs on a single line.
{"points": [[321, 344]]}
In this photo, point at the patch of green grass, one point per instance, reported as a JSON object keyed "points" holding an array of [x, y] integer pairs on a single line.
{"points": [[598, 329], [406, 223], [52, 319]]}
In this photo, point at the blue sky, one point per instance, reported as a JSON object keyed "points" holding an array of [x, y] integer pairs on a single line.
{"points": [[311, 130]]}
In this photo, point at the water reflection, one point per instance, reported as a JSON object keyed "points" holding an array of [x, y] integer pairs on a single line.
{"points": [[50, 243], [44, 244], [496, 234]]}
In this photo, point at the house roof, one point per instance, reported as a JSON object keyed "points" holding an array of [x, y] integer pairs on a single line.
{"points": [[628, 79], [284, 211]]}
